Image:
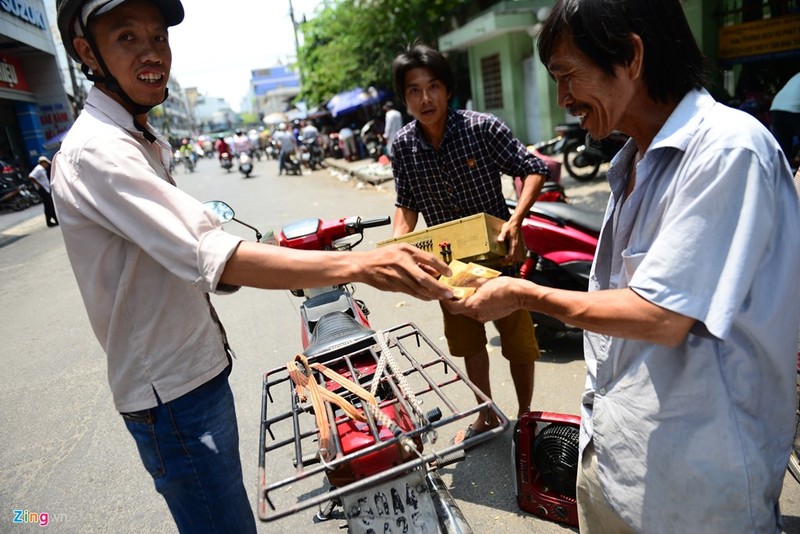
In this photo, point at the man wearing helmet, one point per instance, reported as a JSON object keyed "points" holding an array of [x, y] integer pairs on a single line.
{"points": [[146, 255]]}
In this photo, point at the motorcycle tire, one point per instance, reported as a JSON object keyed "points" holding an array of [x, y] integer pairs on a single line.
{"points": [[581, 171]]}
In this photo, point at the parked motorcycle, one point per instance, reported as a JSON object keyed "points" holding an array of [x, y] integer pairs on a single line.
{"points": [[552, 190], [561, 240], [373, 141], [582, 157], [16, 192], [341, 423], [245, 164]]}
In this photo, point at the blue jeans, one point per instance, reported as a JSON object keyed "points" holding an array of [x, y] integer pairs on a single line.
{"points": [[190, 446]]}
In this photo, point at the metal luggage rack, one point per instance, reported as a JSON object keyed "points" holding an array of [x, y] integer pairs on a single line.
{"points": [[291, 477]]}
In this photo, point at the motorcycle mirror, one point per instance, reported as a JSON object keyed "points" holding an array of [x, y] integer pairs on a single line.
{"points": [[223, 210]]}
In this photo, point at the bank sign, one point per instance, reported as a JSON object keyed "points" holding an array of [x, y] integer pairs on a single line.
{"points": [[24, 11]]}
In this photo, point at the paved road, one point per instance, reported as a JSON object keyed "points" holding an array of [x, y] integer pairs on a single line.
{"points": [[64, 450]]}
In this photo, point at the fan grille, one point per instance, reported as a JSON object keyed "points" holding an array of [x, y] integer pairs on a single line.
{"points": [[555, 454]]}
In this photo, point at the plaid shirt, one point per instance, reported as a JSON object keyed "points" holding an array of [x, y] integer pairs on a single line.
{"points": [[462, 178]]}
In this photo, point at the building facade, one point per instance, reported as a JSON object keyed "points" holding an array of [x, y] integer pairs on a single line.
{"points": [[273, 89], [33, 104], [752, 46]]}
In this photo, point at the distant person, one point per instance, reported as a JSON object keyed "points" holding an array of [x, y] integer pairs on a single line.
{"points": [[40, 175], [785, 111], [146, 256], [347, 140], [288, 146], [242, 143], [393, 123]]}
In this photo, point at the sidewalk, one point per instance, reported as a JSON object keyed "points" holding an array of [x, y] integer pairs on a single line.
{"points": [[365, 170]]}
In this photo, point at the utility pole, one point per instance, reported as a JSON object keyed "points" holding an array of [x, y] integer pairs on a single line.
{"points": [[296, 42], [78, 93]]}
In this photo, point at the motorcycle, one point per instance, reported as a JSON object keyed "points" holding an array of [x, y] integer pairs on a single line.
{"points": [[561, 240], [16, 192], [583, 159], [245, 164], [582, 156], [312, 154], [341, 423], [272, 150], [292, 163], [225, 161], [373, 141], [552, 190]]}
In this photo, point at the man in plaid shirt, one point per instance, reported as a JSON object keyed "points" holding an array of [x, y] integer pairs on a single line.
{"points": [[448, 164]]}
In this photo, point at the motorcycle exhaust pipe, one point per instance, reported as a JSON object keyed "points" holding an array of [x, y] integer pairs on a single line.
{"points": [[451, 519]]}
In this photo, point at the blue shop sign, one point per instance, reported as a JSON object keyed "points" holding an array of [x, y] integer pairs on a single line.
{"points": [[24, 11]]}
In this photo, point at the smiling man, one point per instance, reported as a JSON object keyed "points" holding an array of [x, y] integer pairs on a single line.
{"points": [[693, 309], [146, 256]]}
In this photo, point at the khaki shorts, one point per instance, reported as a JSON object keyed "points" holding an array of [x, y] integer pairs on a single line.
{"points": [[465, 336]]}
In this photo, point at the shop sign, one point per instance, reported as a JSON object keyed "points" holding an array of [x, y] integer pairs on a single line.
{"points": [[760, 37], [11, 74], [24, 11], [54, 118]]}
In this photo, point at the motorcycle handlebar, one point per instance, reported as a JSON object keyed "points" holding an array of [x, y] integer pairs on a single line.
{"points": [[375, 222]]}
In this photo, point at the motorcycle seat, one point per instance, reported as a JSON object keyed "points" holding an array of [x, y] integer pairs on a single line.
{"points": [[585, 219], [337, 330], [562, 214]]}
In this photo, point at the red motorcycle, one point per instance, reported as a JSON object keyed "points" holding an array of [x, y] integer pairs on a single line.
{"points": [[561, 240], [341, 423]]}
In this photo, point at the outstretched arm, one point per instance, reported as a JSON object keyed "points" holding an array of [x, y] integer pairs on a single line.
{"points": [[401, 268], [614, 312]]}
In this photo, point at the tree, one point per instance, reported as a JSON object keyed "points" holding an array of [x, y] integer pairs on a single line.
{"points": [[352, 43]]}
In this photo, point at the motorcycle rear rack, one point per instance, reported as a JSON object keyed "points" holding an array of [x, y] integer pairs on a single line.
{"points": [[292, 479]]}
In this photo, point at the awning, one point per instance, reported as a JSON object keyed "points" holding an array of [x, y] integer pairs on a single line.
{"points": [[54, 143], [352, 100]]}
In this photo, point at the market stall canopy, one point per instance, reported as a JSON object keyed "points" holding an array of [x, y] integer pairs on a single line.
{"points": [[354, 99], [275, 118]]}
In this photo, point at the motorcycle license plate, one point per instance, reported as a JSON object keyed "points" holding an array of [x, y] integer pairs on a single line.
{"points": [[401, 505]]}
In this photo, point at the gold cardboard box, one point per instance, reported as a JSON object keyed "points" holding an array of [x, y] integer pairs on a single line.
{"points": [[471, 239]]}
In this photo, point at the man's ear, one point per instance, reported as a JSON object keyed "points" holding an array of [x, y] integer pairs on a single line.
{"points": [[635, 66], [85, 52]]}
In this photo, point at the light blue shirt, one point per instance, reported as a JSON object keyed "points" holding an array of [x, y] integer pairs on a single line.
{"points": [[788, 98], [696, 438]]}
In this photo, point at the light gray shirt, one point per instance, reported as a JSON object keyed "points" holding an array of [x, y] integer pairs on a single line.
{"points": [[145, 255], [696, 438]]}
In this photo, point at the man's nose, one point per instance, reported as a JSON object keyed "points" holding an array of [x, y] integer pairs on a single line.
{"points": [[562, 95]]}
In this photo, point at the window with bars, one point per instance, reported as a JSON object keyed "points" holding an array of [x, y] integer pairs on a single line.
{"points": [[492, 82]]}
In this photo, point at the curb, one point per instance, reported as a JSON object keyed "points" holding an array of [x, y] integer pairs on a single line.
{"points": [[363, 170]]}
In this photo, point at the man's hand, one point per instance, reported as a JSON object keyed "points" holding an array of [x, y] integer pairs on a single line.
{"points": [[494, 299], [404, 268], [512, 236]]}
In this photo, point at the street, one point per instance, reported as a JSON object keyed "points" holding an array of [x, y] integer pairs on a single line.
{"points": [[65, 451]]}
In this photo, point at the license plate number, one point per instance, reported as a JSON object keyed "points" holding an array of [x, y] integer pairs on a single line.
{"points": [[400, 506]]}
